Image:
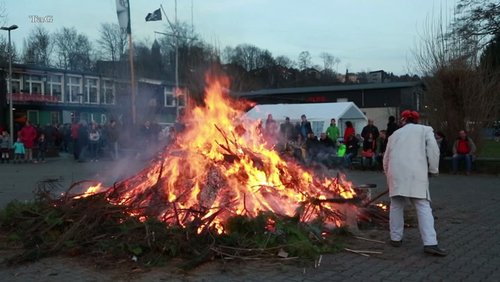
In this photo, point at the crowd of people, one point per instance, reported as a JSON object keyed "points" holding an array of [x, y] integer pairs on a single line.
{"points": [[333, 148], [85, 141], [366, 149]]}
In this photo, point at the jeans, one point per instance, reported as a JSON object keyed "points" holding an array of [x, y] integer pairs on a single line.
{"points": [[93, 147], [41, 155], [369, 162], [348, 159], [467, 159]]}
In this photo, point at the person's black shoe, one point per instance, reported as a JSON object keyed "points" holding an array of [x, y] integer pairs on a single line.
{"points": [[435, 251], [396, 244]]}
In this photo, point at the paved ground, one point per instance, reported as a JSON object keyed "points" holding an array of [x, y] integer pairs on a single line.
{"points": [[467, 214]]}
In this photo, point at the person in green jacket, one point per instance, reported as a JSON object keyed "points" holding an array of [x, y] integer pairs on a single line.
{"points": [[333, 131]]}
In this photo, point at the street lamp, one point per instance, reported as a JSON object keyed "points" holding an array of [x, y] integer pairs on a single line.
{"points": [[9, 88]]}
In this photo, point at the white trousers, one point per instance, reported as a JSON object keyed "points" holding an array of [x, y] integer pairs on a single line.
{"points": [[425, 219]]}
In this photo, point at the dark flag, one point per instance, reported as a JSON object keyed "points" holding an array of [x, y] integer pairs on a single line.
{"points": [[154, 16]]}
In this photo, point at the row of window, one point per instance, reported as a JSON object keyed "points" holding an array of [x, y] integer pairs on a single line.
{"points": [[77, 89]]}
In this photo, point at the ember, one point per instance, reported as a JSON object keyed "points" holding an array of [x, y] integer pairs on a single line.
{"points": [[220, 167]]}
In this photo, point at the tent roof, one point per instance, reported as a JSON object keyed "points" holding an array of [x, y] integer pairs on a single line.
{"points": [[313, 111]]}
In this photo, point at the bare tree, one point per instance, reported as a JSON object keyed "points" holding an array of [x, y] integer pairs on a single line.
{"points": [[284, 61], [328, 61], [459, 94], [477, 21], [112, 41], [38, 47], [305, 60], [74, 51], [4, 51], [248, 56]]}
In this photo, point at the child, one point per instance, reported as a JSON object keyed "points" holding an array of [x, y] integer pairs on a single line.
{"points": [[94, 138], [5, 146], [18, 151], [42, 148]]}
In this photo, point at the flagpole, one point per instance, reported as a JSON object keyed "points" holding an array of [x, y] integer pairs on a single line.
{"points": [[132, 72], [176, 34], [132, 77], [176, 58], [124, 20]]}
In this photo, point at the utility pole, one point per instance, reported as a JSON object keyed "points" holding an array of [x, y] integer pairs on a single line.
{"points": [[9, 87]]}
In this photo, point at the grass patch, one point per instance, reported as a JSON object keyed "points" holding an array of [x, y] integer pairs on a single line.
{"points": [[490, 149]]}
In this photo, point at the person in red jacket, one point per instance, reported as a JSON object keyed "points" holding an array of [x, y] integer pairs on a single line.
{"points": [[349, 130], [28, 136]]}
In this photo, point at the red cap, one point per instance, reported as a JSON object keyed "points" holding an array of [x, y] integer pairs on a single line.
{"points": [[412, 115]]}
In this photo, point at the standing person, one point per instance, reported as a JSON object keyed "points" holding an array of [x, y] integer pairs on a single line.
{"points": [[370, 128], [19, 150], [368, 153], [391, 126], [349, 130], [271, 130], [381, 145], [270, 125], [5, 146], [463, 149], [305, 127], [333, 131], [83, 140], [112, 137], [28, 136], [74, 132], [287, 131], [411, 155], [94, 141], [443, 146], [42, 145], [66, 137]]}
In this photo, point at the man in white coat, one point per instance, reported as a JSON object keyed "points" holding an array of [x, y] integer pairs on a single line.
{"points": [[411, 155]]}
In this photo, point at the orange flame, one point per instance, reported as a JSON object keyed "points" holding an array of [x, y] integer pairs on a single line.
{"points": [[91, 191], [221, 166]]}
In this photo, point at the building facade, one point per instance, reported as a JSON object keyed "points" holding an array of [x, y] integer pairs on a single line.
{"points": [[54, 96]]}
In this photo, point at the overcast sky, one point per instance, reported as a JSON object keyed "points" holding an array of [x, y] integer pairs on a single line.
{"points": [[366, 35]]}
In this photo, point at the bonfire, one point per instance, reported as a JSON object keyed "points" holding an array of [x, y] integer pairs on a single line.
{"points": [[220, 167]]}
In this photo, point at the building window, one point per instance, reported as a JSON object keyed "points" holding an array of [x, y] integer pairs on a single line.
{"points": [[92, 91], [169, 98], [55, 117], [33, 84], [16, 83], [108, 93], [55, 84], [74, 93], [33, 116]]}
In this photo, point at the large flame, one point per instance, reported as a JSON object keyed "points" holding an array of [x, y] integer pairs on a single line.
{"points": [[219, 167]]}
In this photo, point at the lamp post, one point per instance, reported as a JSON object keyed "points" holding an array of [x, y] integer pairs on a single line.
{"points": [[9, 89]]}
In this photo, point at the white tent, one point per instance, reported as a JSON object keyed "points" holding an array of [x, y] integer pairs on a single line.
{"points": [[319, 114]]}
